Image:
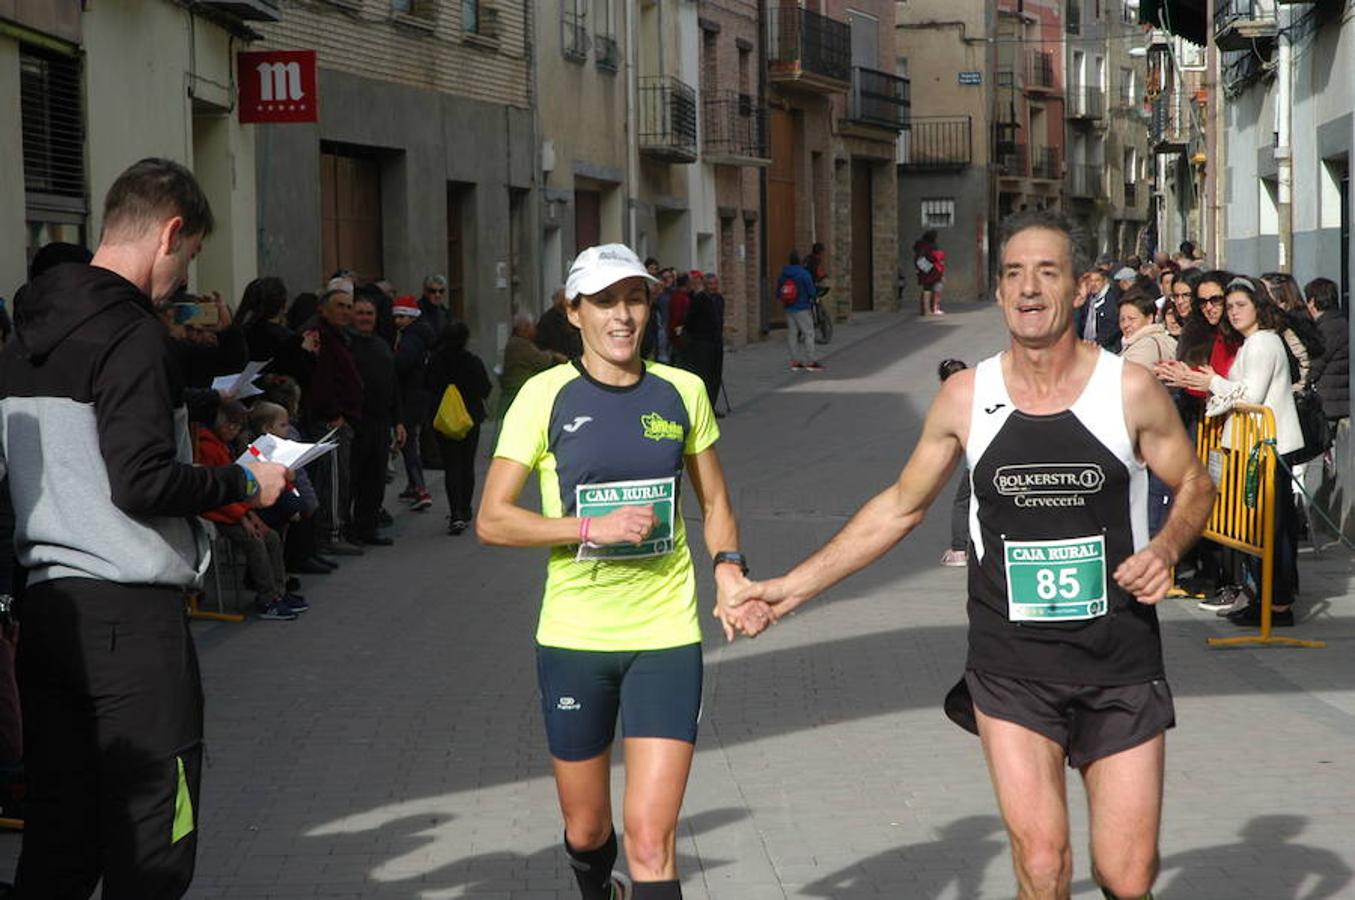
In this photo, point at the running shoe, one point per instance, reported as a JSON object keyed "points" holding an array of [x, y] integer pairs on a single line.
{"points": [[409, 495], [422, 502], [457, 526], [620, 887], [1223, 598], [797, 367], [295, 602], [274, 611], [815, 367], [955, 558]]}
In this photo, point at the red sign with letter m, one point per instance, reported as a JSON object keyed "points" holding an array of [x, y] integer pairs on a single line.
{"points": [[277, 86]]}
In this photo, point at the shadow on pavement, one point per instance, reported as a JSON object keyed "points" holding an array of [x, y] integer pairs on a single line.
{"points": [[1273, 864], [917, 870], [421, 857]]}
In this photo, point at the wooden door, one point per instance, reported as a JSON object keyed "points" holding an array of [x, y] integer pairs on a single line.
{"points": [[780, 222], [587, 220], [350, 215], [863, 238], [457, 195]]}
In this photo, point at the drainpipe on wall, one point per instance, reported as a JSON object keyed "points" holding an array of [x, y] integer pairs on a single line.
{"points": [[1283, 153], [759, 300], [632, 145]]}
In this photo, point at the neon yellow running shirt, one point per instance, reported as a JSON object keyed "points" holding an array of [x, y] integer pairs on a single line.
{"points": [[595, 447]]}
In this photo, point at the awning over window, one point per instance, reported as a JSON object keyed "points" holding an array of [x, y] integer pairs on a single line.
{"points": [[1184, 18]]}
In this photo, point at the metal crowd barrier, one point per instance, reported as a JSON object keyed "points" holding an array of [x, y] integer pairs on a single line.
{"points": [[1244, 510]]}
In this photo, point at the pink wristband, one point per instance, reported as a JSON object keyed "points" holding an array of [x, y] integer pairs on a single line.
{"points": [[583, 529]]}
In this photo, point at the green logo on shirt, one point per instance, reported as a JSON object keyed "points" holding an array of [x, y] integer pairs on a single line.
{"points": [[657, 428]]}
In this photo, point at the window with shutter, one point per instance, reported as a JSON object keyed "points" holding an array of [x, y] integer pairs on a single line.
{"points": [[52, 120]]}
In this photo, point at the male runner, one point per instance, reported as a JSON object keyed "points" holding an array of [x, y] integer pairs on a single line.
{"points": [[1065, 657]]}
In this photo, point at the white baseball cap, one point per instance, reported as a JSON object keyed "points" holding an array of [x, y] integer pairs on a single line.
{"points": [[1124, 273], [600, 267]]}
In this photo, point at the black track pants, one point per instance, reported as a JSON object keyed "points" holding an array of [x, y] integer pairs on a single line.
{"points": [[112, 707]]}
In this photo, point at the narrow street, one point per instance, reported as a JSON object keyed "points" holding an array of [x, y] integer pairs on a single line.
{"points": [[388, 744]]}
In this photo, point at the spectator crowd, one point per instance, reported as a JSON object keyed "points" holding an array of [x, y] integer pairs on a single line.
{"points": [[1217, 339]]}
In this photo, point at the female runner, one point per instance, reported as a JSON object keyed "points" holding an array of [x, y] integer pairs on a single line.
{"points": [[609, 436]]}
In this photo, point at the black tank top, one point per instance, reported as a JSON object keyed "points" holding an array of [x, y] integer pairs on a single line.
{"points": [[1059, 501]]}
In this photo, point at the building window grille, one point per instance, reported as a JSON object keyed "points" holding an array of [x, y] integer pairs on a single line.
{"points": [[938, 212]]}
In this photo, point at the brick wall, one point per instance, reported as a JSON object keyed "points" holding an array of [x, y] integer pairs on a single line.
{"points": [[428, 49]]}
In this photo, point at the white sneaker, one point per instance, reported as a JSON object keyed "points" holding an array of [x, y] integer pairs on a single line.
{"points": [[620, 887], [955, 558]]}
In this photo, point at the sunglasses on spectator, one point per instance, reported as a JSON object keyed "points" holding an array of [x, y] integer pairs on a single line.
{"points": [[1216, 300]]}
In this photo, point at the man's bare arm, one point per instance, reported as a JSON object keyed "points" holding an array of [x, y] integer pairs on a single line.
{"points": [[887, 517], [1163, 444]]}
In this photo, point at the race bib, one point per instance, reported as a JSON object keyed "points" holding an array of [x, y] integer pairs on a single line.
{"points": [[1056, 581], [599, 499]]}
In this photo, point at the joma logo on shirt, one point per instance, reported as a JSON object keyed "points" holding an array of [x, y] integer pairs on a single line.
{"points": [[657, 428]]}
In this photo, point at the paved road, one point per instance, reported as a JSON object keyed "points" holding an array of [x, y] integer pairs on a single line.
{"points": [[388, 744]]}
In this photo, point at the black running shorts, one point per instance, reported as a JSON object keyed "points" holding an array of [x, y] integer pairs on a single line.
{"points": [[658, 693], [1088, 721]]}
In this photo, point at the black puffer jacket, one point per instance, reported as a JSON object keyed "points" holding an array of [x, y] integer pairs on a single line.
{"points": [[1331, 373]]}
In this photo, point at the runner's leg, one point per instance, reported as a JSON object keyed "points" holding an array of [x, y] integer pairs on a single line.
{"points": [[1124, 798], [656, 779], [585, 795], [1028, 778]]}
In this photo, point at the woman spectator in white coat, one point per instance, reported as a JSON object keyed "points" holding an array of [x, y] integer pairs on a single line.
{"points": [[1260, 375]]}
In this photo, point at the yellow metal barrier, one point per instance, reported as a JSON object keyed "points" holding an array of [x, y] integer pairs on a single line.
{"points": [[1234, 522]]}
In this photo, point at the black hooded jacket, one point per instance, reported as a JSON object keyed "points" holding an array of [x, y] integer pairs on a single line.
{"points": [[95, 439]]}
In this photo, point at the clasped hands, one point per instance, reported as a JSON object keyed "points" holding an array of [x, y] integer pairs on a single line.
{"points": [[737, 605]]}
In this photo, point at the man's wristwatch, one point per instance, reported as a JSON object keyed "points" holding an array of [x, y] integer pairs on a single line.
{"points": [[731, 556]]}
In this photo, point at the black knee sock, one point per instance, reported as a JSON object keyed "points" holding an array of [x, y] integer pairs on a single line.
{"points": [[593, 868], [657, 890]]}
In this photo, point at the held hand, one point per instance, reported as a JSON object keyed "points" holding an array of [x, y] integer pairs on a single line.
{"points": [[272, 478], [625, 525], [310, 341], [751, 618], [1147, 574], [400, 437], [776, 593]]}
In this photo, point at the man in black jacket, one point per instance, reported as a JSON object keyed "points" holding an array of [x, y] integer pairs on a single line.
{"points": [[105, 498], [372, 431], [1098, 319]]}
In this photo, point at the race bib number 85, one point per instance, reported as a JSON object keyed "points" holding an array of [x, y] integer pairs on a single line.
{"points": [[1056, 581]]}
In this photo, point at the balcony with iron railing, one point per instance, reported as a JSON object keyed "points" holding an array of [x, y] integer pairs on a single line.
{"points": [[667, 116], [1046, 163], [573, 35], [1086, 104], [1169, 125], [733, 129], [880, 99], [1040, 69], [936, 143], [1013, 161], [808, 50], [1239, 24], [606, 52], [247, 10], [1085, 180]]}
